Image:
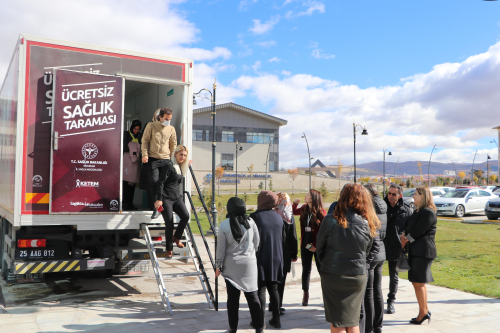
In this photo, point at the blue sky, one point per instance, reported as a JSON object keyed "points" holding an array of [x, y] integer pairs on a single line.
{"points": [[415, 73]]}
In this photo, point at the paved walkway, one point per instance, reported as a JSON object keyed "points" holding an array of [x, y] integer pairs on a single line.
{"points": [[131, 304]]}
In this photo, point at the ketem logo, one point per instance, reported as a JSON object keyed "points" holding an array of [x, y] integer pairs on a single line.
{"points": [[89, 151], [37, 181], [80, 183]]}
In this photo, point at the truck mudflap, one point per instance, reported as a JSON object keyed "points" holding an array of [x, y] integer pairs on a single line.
{"points": [[55, 266]]}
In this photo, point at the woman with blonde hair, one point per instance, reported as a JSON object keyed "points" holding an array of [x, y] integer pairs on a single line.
{"points": [[420, 235], [343, 243], [172, 177]]}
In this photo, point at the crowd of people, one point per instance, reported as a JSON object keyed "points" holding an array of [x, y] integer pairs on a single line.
{"points": [[349, 246]]}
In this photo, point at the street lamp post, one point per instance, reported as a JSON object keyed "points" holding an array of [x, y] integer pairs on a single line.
{"points": [[472, 171], [267, 161], [429, 167], [364, 132], [383, 176], [309, 153], [213, 208], [238, 147], [488, 170], [455, 173]]}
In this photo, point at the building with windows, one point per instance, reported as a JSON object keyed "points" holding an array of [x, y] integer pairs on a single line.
{"points": [[257, 132]]}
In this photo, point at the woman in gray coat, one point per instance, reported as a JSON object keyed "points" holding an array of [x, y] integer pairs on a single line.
{"points": [[237, 262]]}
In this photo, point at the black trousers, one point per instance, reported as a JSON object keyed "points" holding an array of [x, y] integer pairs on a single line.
{"points": [[393, 281], [169, 207], [128, 194], [272, 289], [157, 175], [306, 257], [281, 291], [233, 306], [374, 300]]}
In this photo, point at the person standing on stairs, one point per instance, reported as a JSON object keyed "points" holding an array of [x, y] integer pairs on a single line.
{"points": [[311, 216], [159, 141], [171, 177]]}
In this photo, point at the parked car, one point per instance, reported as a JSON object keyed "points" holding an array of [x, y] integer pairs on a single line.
{"points": [[492, 208], [462, 201], [489, 188], [445, 189], [408, 195]]}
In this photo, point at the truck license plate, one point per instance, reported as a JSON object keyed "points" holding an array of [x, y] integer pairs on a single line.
{"points": [[33, 254]]}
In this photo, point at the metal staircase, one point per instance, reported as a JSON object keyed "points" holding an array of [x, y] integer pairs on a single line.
{"points": [[194, 255]]}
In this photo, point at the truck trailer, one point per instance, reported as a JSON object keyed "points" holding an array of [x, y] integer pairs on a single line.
{"points": [[63, 109]]}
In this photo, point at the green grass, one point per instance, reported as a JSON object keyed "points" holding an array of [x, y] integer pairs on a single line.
{"points": [[468, 258]]}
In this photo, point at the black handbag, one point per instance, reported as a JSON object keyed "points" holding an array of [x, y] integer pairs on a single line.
{"points": [[403, 264]]}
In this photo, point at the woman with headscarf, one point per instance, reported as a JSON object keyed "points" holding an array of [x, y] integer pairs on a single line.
{"points": [[131, 171], [236, 261], [284, 208], [270, 254]]}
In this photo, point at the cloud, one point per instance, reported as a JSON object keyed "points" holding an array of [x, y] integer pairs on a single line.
{"points": [[152, 26], [267, 44], [262, 28], [275, 59], [312, 6], [286, 73], [316, 53], [453, 105], [256, 66], [245, 4]]}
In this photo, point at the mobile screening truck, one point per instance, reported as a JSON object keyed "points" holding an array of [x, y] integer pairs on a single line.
{"points": [[63, 109]]}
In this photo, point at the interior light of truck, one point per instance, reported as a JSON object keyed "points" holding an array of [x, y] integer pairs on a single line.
{"points": [[157, 239], [31, 242]]}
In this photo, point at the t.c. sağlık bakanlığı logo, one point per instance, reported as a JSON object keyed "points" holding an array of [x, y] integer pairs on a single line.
{"points": [[89, 151], [113, 204], [37, 181]]}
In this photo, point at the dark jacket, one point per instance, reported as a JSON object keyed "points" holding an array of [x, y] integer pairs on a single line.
{"points": [[421, 231], [298, 211], [381, 210], [396, 221], [344, 251], [172, 187], [270, 253], [289, 244]]}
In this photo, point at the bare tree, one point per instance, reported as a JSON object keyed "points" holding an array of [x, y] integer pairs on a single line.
{"points": [[293, 173]]}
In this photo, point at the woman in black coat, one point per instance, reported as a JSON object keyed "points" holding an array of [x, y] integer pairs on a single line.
{"points": [[420, 233], [270, 253]]}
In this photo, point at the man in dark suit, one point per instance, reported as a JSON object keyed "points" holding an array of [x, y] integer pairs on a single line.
{"points": [[397, 213]]}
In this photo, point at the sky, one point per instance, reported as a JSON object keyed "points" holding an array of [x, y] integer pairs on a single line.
{"points": [[416, 74]]}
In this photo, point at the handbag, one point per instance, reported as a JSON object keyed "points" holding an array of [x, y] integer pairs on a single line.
{"points": [[403, 264]]}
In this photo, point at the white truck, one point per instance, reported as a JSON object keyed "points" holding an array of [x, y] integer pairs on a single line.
{"points": [[63, 109]]}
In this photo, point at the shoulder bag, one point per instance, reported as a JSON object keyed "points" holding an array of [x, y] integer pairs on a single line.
{"points": [[403, 264]]}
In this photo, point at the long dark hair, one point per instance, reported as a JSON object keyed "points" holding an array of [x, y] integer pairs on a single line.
{"points": [[316, 210]]}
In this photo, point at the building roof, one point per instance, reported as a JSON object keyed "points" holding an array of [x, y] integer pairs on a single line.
{"points": [[280, 121]]}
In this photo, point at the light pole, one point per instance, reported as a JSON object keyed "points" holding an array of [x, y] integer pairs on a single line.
{"points": [[364, 132], [238, 147], [472, 171], [488, 170], [383, 176], [308, 152], [213, 208], [429, 167], [267, 161], [455, 173]]}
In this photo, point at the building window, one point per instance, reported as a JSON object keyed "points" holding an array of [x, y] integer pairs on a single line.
{"points": [[271, 166], [260, 137], [207, 135], [227, 162], [227, 136], [197, 135]]}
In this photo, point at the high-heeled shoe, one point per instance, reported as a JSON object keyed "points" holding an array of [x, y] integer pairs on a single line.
{"points": [[177, 242], [419, 322], [169, 254], [417, 317], [305, 299]]}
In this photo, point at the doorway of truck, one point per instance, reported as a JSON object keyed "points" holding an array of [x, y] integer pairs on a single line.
{"points": [[142, 99]]}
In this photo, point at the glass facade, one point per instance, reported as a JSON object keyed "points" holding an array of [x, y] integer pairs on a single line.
{"points": [[227, 162], [198, 135], [227, 136]]}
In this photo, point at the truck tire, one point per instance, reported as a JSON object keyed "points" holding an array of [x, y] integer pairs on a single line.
{"points": [[460, 211]]}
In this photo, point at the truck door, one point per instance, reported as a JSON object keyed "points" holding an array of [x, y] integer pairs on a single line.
{"points": [[86, 154]]}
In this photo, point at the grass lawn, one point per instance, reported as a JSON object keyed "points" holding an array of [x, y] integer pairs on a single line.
{"points": [[468, 256]]}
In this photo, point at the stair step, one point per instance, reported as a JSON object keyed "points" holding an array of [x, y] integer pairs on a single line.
{"points": [[169, 276], [188, 293], [178, 258], [163, 243]]}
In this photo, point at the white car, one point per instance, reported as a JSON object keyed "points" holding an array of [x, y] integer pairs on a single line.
{"points": [[445, 189], [408, 195], [462, 201], [489, 188]]}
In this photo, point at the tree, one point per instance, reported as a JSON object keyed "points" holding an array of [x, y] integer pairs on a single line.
{"points": [[493, 178], [293, 174], [475, 180], [461, 174], [271, 185], [478, 173], [339, 168], [250, 171], [408, 183], [219, 173], [245, 197], [322, 189], [261, 185]]}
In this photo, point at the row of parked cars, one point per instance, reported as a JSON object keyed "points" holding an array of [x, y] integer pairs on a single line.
{"points": [[463, 200]]}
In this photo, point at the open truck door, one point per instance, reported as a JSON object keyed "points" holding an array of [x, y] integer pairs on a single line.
{"points": [[87, 152]]}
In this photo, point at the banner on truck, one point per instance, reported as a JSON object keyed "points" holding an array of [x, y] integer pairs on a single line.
{"points": [[86, 150]]}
